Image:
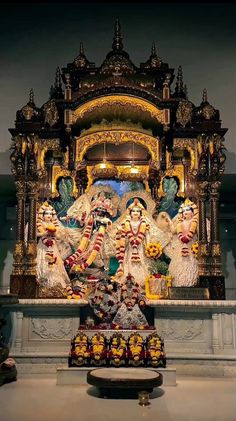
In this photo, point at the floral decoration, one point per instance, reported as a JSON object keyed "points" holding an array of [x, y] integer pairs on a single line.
{"points": [[98, 350], [195, 248], [153, 250], [117, 353], [157, 282], [155, 355], [136, 353], [80, 353]]}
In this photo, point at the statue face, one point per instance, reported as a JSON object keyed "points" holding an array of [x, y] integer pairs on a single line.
{"points": [[135, 213], [187, 213], [47, 216]]}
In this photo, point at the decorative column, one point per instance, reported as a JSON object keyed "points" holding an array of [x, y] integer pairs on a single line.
{"points": [[154, 180], [32, 187], [202, 229], [216, 269], [19, 325], [18, 265], [81, 178]]}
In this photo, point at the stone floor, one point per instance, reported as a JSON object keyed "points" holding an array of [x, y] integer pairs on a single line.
{"points": [[193, 399]]}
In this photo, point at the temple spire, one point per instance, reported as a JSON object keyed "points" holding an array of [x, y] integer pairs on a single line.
{"points": [[154, 52], [81, 50], [179, 82], [204, 95], [117, 39], [56, 89], [179, 87], [58, 78], [31, 96]]}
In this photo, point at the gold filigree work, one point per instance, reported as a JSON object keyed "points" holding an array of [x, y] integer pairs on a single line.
{"points": [[175, 171], [83, 143], [121, 101], [58, 172], [191, 146]]}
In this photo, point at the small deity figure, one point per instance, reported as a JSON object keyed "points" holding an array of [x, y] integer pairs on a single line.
{"points": [[104, 300], [183, 267], [129, 314], [81, 349], [133, 234], [136, 350], [117, 353], [155, 351], [50, 267], [98, 351], [94, 249]]}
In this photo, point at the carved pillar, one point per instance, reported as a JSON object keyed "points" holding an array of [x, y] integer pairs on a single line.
{"points": [[202, 229], [216, 269], [18, 265], [19, 325], [31, 250], [81, 179]]}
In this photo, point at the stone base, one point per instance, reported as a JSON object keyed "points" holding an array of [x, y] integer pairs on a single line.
{"points": [[215, 285], [78, 375]]}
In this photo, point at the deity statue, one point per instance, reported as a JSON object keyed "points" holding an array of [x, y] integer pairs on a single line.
{"points": [[134, 231], [182, 249], [50, 267], [129, 313], [94, 211]]}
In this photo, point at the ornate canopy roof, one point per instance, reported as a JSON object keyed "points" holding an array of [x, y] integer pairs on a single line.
{"points": [[150, 82]]}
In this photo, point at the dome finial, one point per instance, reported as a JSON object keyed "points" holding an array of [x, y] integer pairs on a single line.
{"points": [[31, 96], [179, 82], [117, 39], [58, 78], [81, 50], [204, 95], [154, 53]]}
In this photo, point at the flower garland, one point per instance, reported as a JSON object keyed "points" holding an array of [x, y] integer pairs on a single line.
{"points": [[135, 349], [83, 244], [155, 351], [117, 352], [93, 254], [135, 239], [98, 350]]}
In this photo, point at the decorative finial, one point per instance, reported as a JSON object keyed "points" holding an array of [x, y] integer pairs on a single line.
{"points": [[154, 53], [58, 78], [31, 96], [204, 95], [179, 82], [117, 39], [81, 50]]}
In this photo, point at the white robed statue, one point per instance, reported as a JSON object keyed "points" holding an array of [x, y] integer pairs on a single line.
{"points": [[134, 230], [52, 246]]}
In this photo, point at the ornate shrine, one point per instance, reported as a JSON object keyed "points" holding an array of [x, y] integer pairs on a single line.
{"points": [[117, 177]]}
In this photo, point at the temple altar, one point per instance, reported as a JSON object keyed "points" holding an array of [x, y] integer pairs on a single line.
{"points": [[118, 180]]}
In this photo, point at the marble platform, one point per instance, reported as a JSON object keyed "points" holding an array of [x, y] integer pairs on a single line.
{"points": [[78, 375], [199, 336]]}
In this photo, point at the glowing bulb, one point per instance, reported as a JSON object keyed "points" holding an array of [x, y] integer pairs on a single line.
{"points": [[134, 170], [103, 165]]}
